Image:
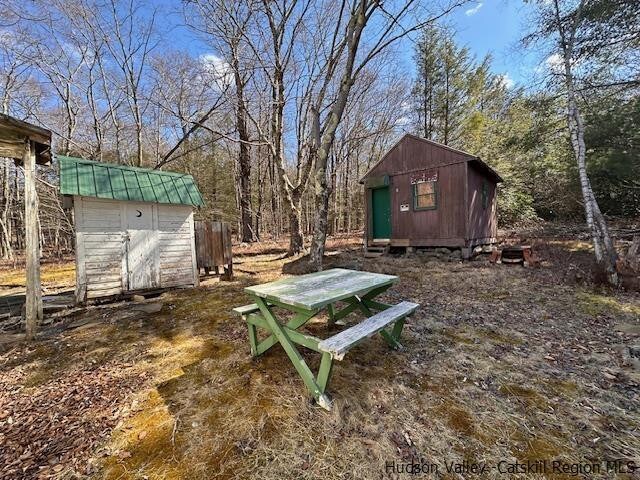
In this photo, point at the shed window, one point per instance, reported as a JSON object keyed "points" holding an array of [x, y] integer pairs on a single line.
{"points": [[425, 195], [485, 194]]}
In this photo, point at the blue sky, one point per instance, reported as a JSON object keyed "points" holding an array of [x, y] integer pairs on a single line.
{"points": [[484, 26], [496, 26]]}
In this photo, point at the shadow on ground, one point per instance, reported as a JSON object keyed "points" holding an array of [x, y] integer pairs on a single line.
{"points": [[500, 363]]}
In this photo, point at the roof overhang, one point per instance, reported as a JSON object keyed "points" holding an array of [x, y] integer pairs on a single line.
{"points": [[13, 135], [486, 169]]}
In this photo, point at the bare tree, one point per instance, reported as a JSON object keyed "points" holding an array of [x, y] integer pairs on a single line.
{"points": [[225, 24], [131, 39], [566, 22], [346, 63]]}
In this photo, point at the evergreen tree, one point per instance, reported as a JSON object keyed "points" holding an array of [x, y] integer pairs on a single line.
{"points": [[429, 75]]}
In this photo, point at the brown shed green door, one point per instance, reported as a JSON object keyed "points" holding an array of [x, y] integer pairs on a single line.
{"points": [[381, 212]]}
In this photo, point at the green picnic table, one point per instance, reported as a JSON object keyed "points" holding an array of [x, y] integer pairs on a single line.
{"points": [[308, 295]]}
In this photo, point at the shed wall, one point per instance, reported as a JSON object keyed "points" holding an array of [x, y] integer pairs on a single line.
{"points": [[483, 222], [177, 245], [444, 225], [100, 247], [102, 266], [411, 154]]}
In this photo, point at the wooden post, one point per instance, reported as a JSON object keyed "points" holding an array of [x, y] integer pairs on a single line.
{"points": [[32, 242]]}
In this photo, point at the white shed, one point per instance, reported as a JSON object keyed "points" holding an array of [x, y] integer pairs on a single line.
{"points": [[134, 227]]}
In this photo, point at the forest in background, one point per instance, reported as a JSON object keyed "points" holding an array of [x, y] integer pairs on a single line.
{"points": [[249, 121]]}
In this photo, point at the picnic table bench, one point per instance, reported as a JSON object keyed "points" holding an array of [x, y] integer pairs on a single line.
{"points": [[308, 295]]}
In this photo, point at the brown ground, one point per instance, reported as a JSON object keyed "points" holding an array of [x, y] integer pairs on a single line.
{"points": [[500, 363]]}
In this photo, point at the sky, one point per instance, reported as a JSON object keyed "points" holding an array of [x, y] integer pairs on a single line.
{"points": [[485, 26], [495, 27]]}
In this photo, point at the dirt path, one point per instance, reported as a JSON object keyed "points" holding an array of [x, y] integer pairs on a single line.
{"points": [[500, 364]]}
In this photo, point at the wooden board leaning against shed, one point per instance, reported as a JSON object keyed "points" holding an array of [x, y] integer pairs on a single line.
{"points": [[213, 247]]}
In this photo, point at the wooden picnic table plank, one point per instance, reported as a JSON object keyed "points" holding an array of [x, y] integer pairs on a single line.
{"points": [[339, 344], [317, 290]]}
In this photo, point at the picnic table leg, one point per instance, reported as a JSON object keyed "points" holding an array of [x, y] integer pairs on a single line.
{"points": [[295, 323], [253, 339], [332, 318], [324, 373], [397, 329], [298, 362]]}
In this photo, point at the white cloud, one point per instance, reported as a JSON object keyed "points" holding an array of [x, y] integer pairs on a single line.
{"points": [[474, 10], [217, 68], [554, 63], [506, 81]]}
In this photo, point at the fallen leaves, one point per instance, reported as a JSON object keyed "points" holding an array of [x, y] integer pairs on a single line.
{"points": [[55, 426]]}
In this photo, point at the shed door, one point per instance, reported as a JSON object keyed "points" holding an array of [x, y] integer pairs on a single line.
{"points": [[141, 246], [381, 212]]}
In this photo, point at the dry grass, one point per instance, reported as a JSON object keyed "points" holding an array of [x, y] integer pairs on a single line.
{"points": [[500, 363], [52, 274]]}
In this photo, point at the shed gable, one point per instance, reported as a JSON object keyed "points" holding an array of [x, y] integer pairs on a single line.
{"points": [[413, 153]]}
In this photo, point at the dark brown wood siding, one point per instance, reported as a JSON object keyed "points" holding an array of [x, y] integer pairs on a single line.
{"points": [[413, 153], [483, 222], [459, 218], [446, 222]]}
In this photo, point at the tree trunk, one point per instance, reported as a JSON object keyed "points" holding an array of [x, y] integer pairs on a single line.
{"points": [[244, 158], [321, 204], [603, 246], [296, 237], [258, 217], [245, 190], [5, 233], [321, 145]]}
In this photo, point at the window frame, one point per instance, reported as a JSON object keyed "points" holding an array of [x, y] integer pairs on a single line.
{"points": [[414, 192]]}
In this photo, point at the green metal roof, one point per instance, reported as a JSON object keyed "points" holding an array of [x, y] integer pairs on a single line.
{"points": [[120, 182]]}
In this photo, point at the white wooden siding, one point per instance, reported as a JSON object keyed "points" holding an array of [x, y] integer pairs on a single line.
{"points": [[175, 227], [101, 246]]}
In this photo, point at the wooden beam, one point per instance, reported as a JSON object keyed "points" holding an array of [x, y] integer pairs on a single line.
{"points": [[11, 147], [33, 311], [20, 129]]}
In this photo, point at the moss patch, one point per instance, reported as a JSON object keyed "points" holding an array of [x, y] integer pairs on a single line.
{"points": [[595, 305]]}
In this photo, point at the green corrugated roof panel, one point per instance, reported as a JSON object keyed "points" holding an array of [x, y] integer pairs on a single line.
{"points": [[120, 182]]}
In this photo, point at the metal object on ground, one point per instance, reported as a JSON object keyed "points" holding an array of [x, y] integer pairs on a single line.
{"points": [[515, 254]]}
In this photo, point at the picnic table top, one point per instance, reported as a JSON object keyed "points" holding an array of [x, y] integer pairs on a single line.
{"points": [[316, 290]]}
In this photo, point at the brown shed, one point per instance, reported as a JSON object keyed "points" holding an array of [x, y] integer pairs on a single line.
{"points": [[425, 194]]}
